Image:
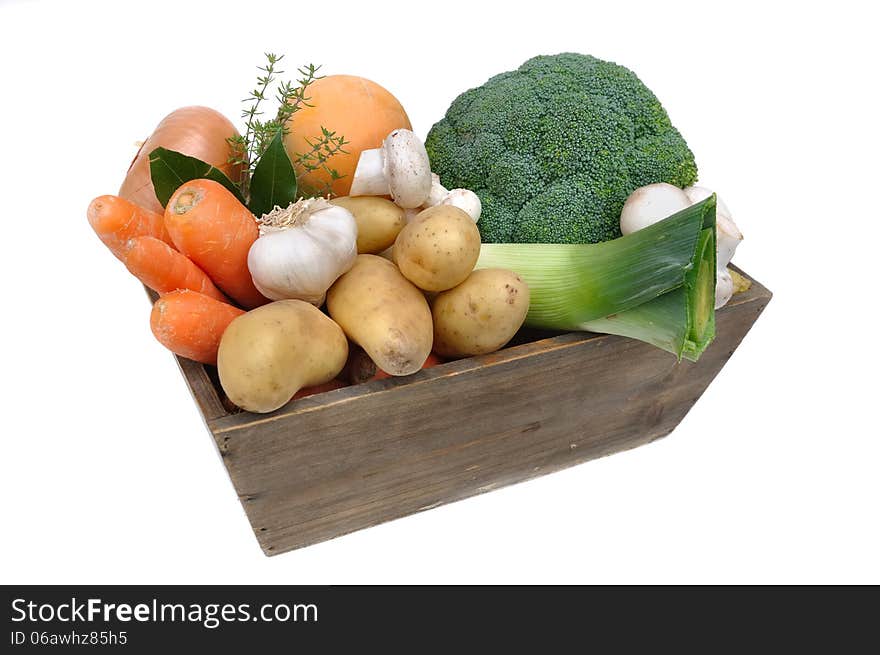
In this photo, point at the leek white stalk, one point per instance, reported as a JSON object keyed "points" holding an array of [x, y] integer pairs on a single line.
{"points": [[302, 250]]}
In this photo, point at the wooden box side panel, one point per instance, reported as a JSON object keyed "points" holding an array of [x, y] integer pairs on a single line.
{"points": [[357, 457]]}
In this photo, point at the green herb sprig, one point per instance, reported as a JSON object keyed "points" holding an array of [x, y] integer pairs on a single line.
{"points": [[247, 149], [269, 173]]}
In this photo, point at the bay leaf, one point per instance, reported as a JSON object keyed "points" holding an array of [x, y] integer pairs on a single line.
{"points": [[274, 179], [170, 169]]}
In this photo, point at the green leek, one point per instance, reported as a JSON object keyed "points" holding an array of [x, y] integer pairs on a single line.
{"points": [[656, 285]]}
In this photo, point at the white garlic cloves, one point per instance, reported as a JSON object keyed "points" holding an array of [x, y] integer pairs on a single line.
{"points": [[302, 250]]}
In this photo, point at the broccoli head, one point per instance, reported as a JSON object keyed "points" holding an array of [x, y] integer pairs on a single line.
{"points": [[554, 148]]}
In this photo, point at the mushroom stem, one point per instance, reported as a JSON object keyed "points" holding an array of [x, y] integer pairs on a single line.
{"points": [[466, 200], [369, 177], [437, 194], [400, 168]]}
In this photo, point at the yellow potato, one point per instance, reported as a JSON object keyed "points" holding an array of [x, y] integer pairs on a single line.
{"points": [[481, 314], [379, 221], [438, 249], [270, 353], [384, 314]]}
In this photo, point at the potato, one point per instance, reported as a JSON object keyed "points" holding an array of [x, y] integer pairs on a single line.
{"points": [[438, 249], [379, 221], [384, 314], [270, 353], [481, 314]]}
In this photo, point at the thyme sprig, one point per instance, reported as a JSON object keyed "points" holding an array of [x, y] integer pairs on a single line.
{"points": [[320, 151], [247, 149]]}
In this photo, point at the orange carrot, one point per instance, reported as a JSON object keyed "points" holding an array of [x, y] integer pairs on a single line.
{"points": [[211, 227], [163, 269], [190, 324], [319, 388], [116, 220]]}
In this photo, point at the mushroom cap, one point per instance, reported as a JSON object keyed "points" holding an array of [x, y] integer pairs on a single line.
{"points": [[466, 200], [649, 204], [723, 288], [698, 193], [727, 237], [369, 176], [407, 168]]}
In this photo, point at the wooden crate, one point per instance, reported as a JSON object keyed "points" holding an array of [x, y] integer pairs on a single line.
{"points": [[336, 462]]}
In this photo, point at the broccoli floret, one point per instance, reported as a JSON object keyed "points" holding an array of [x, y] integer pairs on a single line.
{"points": [[554, 148]]}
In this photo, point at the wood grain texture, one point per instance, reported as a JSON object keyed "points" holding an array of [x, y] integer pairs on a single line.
{"points": [[347, 459]]}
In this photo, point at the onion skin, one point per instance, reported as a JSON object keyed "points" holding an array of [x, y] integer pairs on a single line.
{"points": [[195, 131]]}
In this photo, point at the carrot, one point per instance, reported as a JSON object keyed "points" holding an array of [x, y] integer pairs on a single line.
{"points": [[163, 269], [116, 220], [190, 324], [211, 227], [319, 388]]}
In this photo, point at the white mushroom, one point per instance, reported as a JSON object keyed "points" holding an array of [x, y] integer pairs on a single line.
{"points": [[437, 194], [728, 235], [697, 193], [654, 202], [727, 238], [723, 287], [400, 168], [650, 204], [464, 199]]}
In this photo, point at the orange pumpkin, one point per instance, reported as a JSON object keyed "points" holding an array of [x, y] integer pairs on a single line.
{"points": [[354, 107]]}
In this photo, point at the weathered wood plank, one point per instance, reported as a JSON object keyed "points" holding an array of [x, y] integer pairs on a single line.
{"points": [[355, 457]]}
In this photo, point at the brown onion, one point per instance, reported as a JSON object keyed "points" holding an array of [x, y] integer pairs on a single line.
{"points": [[195, 131]]}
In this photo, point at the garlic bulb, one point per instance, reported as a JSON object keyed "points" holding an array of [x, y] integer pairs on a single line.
{"points": [[302, 250]]}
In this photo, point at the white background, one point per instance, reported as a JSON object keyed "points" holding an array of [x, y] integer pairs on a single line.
{"points": [[108, 474]]}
